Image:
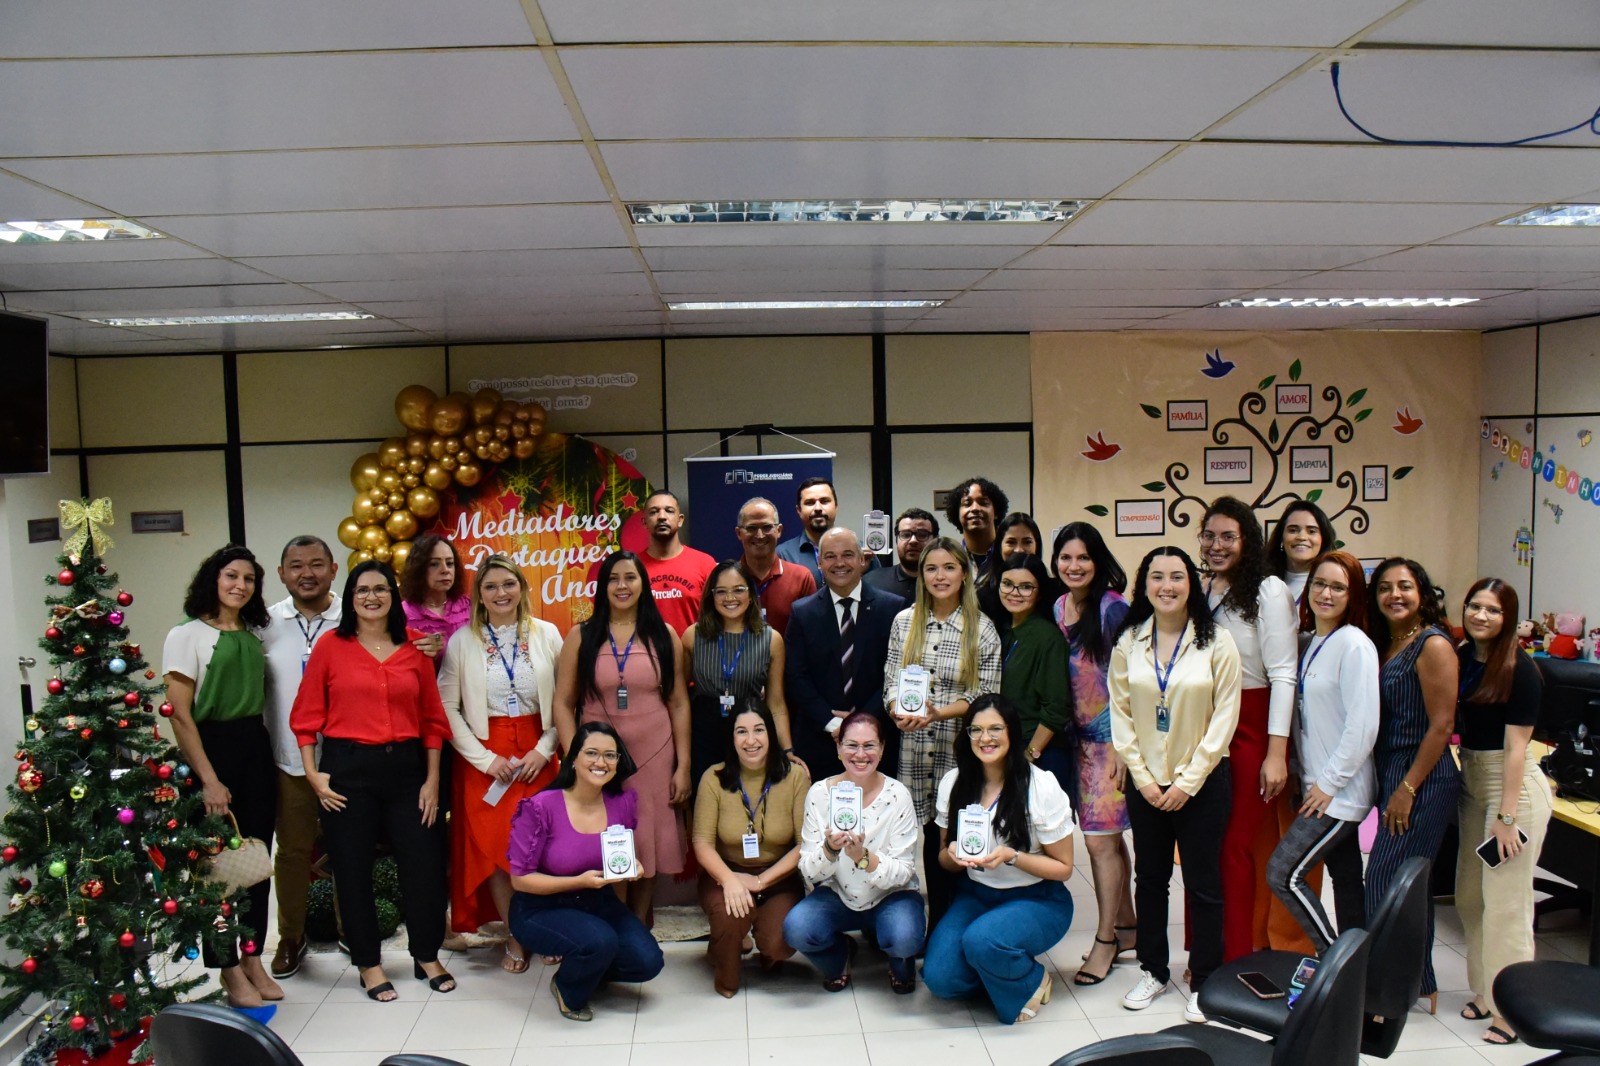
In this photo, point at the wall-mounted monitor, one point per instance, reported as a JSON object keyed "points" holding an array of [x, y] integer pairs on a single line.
{"points": [[24, 395]]}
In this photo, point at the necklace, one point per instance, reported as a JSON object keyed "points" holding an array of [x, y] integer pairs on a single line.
{"points": [[1409, 634]]}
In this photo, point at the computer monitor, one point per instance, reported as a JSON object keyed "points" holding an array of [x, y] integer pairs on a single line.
{"points": [[1571, 695], [25, 399]]}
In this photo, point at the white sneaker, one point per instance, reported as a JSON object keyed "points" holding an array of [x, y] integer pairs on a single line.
{"points": [[1192, 1011], [1144, 993]]}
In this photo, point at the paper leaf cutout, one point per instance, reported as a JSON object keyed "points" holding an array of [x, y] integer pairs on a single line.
{"points": [[1268, 380], [1402, 472], [1355, 397], [1361, 415], [1154, 486], [1294, 370], [1150, 409], [1096, 509], [1272, 434], [1314, 495]]}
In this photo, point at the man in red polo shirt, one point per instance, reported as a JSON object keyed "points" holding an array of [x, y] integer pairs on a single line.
{"points": [[778, 584], [677, 572]]}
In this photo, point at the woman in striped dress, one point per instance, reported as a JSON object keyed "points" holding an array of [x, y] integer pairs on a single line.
{"points": [[1417, 786]]}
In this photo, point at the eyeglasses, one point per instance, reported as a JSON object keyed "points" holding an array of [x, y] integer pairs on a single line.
{"points": [[917, 535], [610, 758], [1027, 588], [759, 529], [869, 748], [1483, 609], [731, 593], [986, 732], [372, 592], [1227, 540], [1318, 585]]}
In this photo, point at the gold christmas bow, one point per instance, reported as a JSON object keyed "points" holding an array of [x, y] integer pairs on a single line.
{"points": [[85, 519]]}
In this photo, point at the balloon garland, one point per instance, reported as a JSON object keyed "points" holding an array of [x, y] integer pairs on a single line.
{"points": [[452, 439]]}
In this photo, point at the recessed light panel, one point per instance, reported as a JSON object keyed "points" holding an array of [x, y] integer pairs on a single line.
{"points": [[56, 231], [230, 320], [1056, 211], [795, 305], [1558, 215], [1350, 301]]}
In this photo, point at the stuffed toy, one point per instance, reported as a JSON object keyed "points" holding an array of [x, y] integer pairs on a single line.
{"points": [[1566, 643], [1530, 635]]}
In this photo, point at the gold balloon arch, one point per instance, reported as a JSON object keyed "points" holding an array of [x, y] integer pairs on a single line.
{"points": [[450, 440]]}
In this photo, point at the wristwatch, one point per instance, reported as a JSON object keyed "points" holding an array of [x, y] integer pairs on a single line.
{"points": [[1508, 819], [862, 863]]}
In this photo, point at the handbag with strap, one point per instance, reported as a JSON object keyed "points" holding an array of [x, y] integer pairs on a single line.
{"points": [[243, 867]]}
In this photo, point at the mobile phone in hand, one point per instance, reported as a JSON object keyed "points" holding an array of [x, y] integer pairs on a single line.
{"points": [[1489, 850]]}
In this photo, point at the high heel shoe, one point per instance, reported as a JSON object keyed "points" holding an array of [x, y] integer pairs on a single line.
{"points": [[435, 983]]}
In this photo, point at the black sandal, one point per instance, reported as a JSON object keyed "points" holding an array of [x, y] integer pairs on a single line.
{"points": [[376, 991], [1084, 979], [1121, 951], [842, 982], [1506, 1039], [435, 983], [1473, 1013]]}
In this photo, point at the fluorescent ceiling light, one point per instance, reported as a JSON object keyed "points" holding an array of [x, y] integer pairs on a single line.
{"points": [[229, 320], [1558, 215], [1350, 301], [793, 305], [48, 231], [1056, 211]]}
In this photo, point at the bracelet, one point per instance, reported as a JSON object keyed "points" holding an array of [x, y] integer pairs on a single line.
{"points": [[788, 751], [1407, 786]]}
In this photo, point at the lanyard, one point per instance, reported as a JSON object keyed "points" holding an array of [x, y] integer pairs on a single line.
{"points": [[1155, 660], [722, 661], [621, 660], [510, 667], [306, 631], [777, 572], [750, 812], [1306, 664]]}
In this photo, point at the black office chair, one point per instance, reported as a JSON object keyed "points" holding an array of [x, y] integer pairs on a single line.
{"points": [[1552, 1005], [418, 1060], [1321, 1030], [199, 1034], [1399, 934]]}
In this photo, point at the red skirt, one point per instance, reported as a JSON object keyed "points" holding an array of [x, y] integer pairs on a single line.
{"points": [[480, 834]]}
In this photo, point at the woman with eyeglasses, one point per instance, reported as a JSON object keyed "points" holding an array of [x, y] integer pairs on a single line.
{"points": [[1504, 795], [1418, 782], [498, 689], [1012, 905], [623, 666], [215, 672], [1015, 534], [1174, 704], [1335, 730], [733, 658], [566, 904], [748, 818], [1298, 539], [943, 649], [371, 697], [865, 878], [1256, 610], [1033, 670]]}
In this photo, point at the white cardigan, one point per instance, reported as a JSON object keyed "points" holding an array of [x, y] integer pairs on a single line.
{"points": [[463, 686]]}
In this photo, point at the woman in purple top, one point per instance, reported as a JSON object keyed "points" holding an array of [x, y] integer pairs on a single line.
{"points": [[433, 588], [564, 904]]}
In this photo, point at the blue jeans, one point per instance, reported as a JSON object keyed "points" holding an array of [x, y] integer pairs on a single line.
{"points": [[989, 939], [597, 937], [817, 924]]}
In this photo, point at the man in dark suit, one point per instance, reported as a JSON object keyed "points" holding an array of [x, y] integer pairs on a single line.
{"points": [[837, 641]]}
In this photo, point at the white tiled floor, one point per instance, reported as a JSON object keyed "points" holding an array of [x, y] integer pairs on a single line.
{"points": [[497, 1019]]}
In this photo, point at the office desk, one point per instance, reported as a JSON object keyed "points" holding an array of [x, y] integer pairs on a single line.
{"points": [[1572, 849]]}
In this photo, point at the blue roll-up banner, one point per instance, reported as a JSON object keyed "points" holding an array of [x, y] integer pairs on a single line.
{"points": [[720, 485]]}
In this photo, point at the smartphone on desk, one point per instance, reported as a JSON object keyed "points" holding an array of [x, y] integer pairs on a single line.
{"points": [[1262, 985], [1489, 850]]}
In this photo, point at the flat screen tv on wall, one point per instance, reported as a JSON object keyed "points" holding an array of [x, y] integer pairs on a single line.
{"points": [[24, 395]]}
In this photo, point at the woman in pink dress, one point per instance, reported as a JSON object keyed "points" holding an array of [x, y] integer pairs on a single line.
{"points": [[620, 667]]}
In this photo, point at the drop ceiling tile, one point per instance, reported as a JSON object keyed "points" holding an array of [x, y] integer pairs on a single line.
{"points": [[437, 229], [1431, 96], [867, 282], [289, 101], [144, 273], [74, 252], [326, 180], [1479, 257], [1551, 303], [1093, 297], [598, 286], [1198, 257], [1366, 172], [1531, 236], [144, 301], [916, 91], [1265, 318], [779, 234], [530, 304], [1065, 280], [446, 265], [948, 169], [1214, 222], [1590, 281], [836, 257], [1436, 282], [1528, 24], [1262, 22], [23, 200]]}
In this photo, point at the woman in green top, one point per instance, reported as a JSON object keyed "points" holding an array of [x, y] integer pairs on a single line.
{"points": [[216, 682], [1034, 673]]}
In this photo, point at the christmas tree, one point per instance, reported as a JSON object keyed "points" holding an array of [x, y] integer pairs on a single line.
{"points": [[107, 847]]}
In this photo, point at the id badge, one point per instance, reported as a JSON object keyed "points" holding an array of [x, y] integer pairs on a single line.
{"points": [[1163, 718], [725, 701], [912, 696], [622, 697], [752, 846], [512, 708], [305, 657]]}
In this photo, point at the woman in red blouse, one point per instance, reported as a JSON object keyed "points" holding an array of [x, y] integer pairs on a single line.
{"points": [[371, 697]]}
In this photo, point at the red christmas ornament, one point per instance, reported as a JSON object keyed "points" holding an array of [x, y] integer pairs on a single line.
{"points": [[227, 909], [172, 823], [122, 723], [170, 906], [30, 965], [23, 884], [66, 577], [93, 888], [249, 947], [117, 1000], [52, 633], [86, 733], [167, 710], [79, 650], [125, 940], [79, 1023], [131, 699], [193, 855], [100, 569], [149, 675], [30, 780], [8, 854], [22, 757], [125, 599], [55, 686], [163, 771]]}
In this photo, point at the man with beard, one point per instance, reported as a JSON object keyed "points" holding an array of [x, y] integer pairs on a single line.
{"points": [[912, 532], [778, 584], [677, 572], [974, 506], [309, 613]]}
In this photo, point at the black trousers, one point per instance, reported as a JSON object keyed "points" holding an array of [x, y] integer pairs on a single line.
{"points": [[1196, 829], [941, 886], [241, 754], [380, 783]]}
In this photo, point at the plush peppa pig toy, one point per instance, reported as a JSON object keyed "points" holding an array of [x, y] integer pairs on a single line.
{"points": [[1566, 643]]}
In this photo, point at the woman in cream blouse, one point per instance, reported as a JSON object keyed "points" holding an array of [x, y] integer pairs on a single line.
{"points": [[1174, 687], [498, 687]]}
